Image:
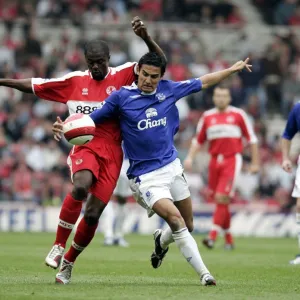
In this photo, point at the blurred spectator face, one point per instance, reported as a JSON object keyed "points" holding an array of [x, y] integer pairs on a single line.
{"points": [[236, 82], [221, 98]]}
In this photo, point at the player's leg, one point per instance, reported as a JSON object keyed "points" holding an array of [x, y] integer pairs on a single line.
{"points": [[296, 194], [187, 245], [231, 171], [84, 234], [122, 192], [296, 261], [83, 167], [182, 200], [213, 177], [107, 223], [121, 213], [100, 194]]}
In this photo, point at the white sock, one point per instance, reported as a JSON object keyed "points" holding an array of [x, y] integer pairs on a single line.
{"points": [[120, 218], [166, 238], [298, 227], [108, 221], [189, 249]]}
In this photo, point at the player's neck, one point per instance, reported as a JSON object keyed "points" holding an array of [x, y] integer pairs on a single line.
{"points": [[222, 110]]}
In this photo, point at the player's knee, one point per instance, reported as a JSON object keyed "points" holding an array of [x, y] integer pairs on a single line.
{"points": [[175, 221], [80, 192], [221, 198]]}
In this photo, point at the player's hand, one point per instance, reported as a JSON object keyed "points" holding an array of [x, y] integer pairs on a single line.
{"points": [[139, 28], [57, 129], [240, 65], [287, 166], [188, 164], [254, 169]]}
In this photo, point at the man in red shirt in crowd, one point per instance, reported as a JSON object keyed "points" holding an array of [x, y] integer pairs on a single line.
{"points": [[95, 167], [224, 128]]}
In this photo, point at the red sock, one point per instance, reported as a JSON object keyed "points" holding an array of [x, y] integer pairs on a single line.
{"points": [[218, 220], [228, 236], [83, 236], [69, 214]]}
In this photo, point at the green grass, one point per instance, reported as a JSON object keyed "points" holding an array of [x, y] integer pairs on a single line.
{"points": [[257, 269]]}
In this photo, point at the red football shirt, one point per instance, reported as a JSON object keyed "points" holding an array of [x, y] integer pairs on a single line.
{"points": [[225, 130], [82, 94]]}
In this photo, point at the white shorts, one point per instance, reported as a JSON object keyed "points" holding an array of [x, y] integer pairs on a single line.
{"points": [[123, 188], [167, 182], [296, 190]]}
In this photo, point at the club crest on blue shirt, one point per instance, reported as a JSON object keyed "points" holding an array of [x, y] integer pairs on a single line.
{"points": [[161, 97], [151, 112]]}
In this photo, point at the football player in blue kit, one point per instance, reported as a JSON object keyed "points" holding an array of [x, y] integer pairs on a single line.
{"points": [[291, 129], [149, 120]]}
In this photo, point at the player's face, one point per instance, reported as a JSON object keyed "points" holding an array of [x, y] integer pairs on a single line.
{"points": [[221, 98], [97, 65], [149, 77]]}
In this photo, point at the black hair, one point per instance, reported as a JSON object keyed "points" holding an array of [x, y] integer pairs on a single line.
{"points": [[96, 46], [153, 59]]}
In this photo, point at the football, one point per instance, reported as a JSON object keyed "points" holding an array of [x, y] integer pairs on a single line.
{"points": [[79, 129]]}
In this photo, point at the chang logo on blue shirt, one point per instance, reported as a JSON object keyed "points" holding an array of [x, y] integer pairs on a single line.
{"points": [[148, 123]]}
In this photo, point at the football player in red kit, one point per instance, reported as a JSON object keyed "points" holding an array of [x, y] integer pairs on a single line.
{"points": [[224, 128], [94, 167]]}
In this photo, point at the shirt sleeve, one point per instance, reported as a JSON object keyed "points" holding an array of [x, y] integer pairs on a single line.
{"points": [[108, 110], [201, 131], [55, 89], [247, 128], [184, 88], [291, 127], [127, 73]]}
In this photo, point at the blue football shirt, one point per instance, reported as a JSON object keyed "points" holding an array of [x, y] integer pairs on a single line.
{"points": [[148, 122], [293, 123]]}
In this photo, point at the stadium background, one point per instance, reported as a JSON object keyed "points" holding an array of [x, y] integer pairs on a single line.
{"points": [[44, 39]]}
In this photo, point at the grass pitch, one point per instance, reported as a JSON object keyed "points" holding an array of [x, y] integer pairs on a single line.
{"points": [[257, 269]]}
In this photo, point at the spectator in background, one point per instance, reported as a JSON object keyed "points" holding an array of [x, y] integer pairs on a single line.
{"points": [[238, 94], [252, 82], [206, 15], [273, 78], [295, 18], [235, 18], [117, 55], [22, 183], [218, 63], [290, 92], [284, 11], [176, 69], [151, 9]]}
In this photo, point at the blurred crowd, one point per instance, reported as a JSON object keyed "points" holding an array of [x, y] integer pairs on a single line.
{"points": [[280, 12], [33, 166], [86, 12]]}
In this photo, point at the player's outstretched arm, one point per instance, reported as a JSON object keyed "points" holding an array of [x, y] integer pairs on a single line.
{"points": [[290, 130], [140, 30], [216, 77], [23, 85], [286, 161]]}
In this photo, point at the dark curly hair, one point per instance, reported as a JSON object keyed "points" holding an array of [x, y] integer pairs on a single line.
{"points": [[153, 59]]}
